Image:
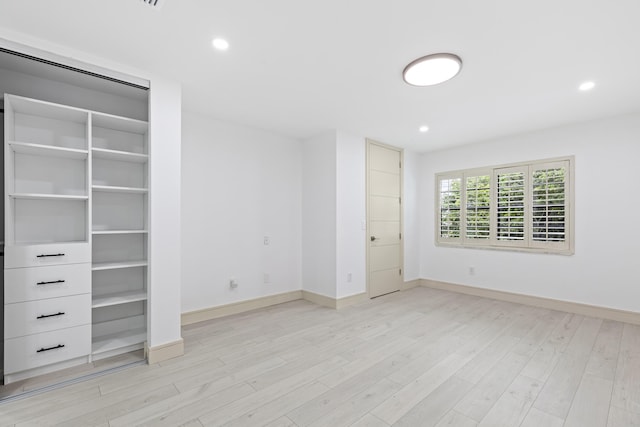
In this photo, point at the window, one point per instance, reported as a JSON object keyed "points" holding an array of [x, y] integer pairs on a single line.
{"points": [[450, 208], [522, 207], [478, 203]]}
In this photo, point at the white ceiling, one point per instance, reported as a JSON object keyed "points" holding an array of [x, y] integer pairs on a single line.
{"points": [[299, 68]]}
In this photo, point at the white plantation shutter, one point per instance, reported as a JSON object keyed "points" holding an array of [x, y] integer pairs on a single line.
{"points": [[510, 202], [549, 208], [477, 213], [449, 211]]}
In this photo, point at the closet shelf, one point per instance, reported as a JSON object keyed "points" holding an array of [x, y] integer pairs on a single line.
{"points": [[47, 150], [126, 156], [112, 189], [113, 232], [123, 124], [117, 265], [36, 196], [118, 298], [105, 343]]}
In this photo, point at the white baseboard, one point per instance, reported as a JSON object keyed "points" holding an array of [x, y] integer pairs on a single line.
{"points": [[196, 316], [552, 304], [351, 300], [410, 284], [335, 303], [319, 299], [164, 352]]}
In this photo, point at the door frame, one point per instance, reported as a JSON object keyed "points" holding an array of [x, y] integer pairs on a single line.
{"points": [[369, 142]]}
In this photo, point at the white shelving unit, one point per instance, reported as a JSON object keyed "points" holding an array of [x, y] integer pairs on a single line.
{"points": [[99, 266], [47, 237], [114, 189], [119, 232], [118, 298], [76, 215]]}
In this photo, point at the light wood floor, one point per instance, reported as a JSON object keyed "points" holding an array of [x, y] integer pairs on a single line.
{"points": [[418, 358], [34, 384]]}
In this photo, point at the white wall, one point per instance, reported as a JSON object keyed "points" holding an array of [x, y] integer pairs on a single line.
{"points": [[350, 214], [165, 107], [603, 270], [238, 186], [319, 214], [411, 215]]}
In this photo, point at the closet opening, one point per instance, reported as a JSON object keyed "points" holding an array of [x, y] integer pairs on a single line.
{"points": [[75, 229]]}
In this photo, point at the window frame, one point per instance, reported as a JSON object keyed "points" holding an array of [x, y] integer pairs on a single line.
{"points": [[528, 243]]}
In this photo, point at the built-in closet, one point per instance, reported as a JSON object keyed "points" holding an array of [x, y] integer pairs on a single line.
{"points": [[76, 228]]}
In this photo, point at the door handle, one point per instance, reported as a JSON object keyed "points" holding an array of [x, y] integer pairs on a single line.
{"points": [[373, 238]]}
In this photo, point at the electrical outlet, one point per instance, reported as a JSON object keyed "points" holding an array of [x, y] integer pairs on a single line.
{"points": [[232, 283], [349, 277], [267, 279], [267, 240], [472, 271]]}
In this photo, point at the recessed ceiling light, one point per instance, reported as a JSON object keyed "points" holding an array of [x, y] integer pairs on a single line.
{"points": [[432, 69], [587, 86], [424, 129], [220, 44]]}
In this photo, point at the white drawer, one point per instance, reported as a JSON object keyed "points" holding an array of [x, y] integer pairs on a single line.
{"points": [[43, 349], [34, 283], [34, 317], [17, 256]]}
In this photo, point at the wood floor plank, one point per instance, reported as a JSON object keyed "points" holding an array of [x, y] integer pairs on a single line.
{"points": [[512, 407], [426, 358], [619, 417], [281, 422], [356, 407], [544, 360], [626, 391], [405, 399], [277, 408], [127, 404], [537, 418], [362, 364], [369, 421], [236, 374], [266, 395], [590, 406], [316, 408], [213, 397], [456, 419], [604, 356], [487, 359], [479, 401], [557, 394], [99, 409], [436, 405], [544, 326], [35, 406]]}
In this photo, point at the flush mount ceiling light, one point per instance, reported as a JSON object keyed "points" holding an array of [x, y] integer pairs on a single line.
{"points": [[432, 69], [220, 44], [586, 86], [424, 129]]}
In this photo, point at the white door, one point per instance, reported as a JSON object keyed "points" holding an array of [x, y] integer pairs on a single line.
{"points": [[384, 207]]}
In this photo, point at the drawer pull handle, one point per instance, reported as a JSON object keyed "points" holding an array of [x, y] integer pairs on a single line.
{"points": [[44, 316], [50, 348], [51, 282], [48, 255]]}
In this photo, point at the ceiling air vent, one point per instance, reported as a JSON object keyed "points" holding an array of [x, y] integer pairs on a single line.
{"points": [[156, 4]]}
